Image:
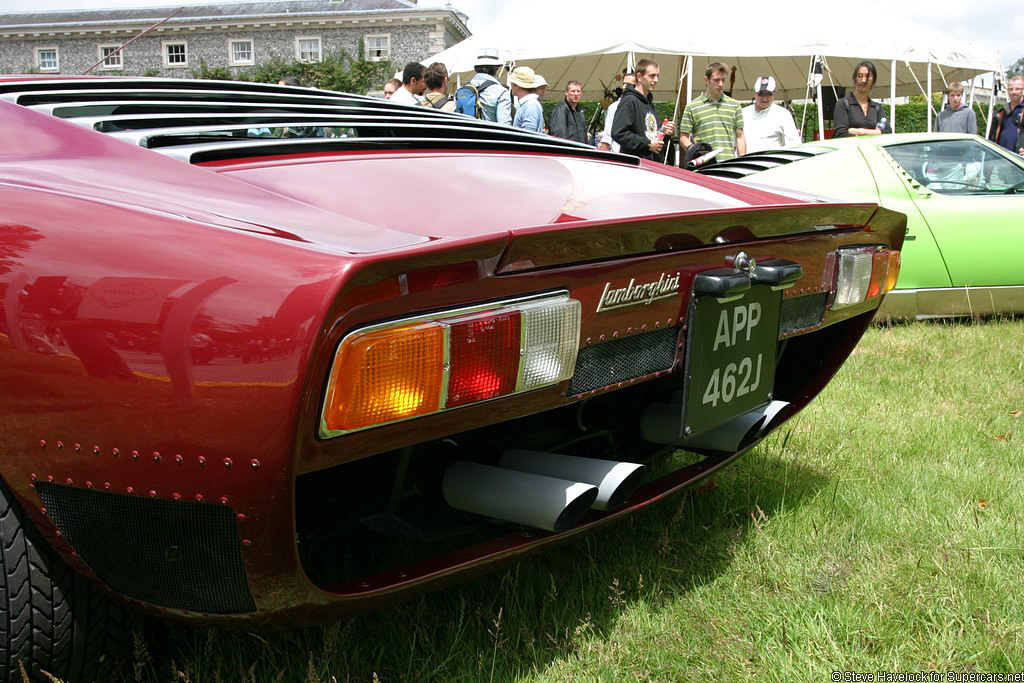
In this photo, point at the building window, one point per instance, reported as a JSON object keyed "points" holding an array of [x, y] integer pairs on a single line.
{"points": [[47, 59], [307, 49], [175, 54], [240, 52], [378, 48], [112, 57]]}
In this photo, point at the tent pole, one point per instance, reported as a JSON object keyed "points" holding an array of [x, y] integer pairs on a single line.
{"points": [[991, 103], [970, 97], [675, 111], [892, 96], [928, 95], [807, 96], [679, 87], [821, 108], [821, 115], [689, 78]]}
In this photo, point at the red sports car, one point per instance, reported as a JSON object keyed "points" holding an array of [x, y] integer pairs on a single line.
{"points": [[274, 353]]}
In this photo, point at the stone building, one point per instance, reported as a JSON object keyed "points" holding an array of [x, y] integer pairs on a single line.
{"points": [[171, 42]]}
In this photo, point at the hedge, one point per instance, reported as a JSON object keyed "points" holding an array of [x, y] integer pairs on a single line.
{"points": [[910, 118]]}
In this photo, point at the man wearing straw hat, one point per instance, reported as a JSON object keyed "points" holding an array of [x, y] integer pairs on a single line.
{"points": [[529, 113]]}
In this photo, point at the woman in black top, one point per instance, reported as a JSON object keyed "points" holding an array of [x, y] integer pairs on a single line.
{"points": [[857, 113]]}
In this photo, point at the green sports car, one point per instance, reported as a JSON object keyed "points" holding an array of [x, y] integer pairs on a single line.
{"points": [[964, 201]]}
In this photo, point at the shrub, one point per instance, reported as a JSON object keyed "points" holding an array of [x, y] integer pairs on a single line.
{"points": [[339, 71]]}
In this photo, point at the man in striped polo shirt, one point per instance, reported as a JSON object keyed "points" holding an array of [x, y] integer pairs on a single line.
{"points": [[714, 117]]}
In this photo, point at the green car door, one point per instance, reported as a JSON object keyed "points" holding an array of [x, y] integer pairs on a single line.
{"points": [[922, 265], [966, 191]]}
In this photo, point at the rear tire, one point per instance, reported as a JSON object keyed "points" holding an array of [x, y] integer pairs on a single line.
{"points": [[51, 618]]}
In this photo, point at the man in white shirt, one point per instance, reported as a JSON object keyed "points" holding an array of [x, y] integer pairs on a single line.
{"points": [[413, 85], [606, 141], [766, 125]]}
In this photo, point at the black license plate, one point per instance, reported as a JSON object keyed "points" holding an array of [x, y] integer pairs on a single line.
{"points": [[730, 356]]}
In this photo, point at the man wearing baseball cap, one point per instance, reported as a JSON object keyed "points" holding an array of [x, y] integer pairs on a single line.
{"points": [[766, 125]]}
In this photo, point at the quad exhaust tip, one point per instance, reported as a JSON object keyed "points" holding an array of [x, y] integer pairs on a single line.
{"points": [[520, 497], [615, 481], [543, 490]]}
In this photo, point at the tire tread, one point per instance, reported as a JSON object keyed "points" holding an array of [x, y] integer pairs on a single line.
{"points": [[51, 619]]}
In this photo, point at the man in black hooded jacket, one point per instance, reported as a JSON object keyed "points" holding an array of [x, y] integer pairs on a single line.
{"points": [[635, 127]]}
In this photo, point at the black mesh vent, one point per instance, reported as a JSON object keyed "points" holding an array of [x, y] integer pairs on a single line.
{"points": [[182, 555], [802, 312], [616, 361]]}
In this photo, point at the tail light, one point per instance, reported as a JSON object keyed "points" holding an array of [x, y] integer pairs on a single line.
{"points": [[484, 351], [396, 371], [864, 273]]}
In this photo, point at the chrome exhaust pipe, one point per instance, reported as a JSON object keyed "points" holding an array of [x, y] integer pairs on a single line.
{"points": [[615, 481], [513, 496], [662, 423]]}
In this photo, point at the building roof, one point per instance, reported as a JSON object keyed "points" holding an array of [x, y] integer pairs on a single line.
{"points": [[205, 13]]}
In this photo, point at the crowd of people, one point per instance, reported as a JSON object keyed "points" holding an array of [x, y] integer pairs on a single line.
{"points": [[713, 124]]}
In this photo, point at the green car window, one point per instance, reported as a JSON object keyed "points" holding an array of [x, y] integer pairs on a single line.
{"points": [[959, 167]]}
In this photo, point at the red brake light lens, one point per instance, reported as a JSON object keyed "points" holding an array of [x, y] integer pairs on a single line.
{"points": [[484, 352]]}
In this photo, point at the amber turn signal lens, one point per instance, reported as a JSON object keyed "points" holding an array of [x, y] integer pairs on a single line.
{"points": [[893, 273], [385, 375], [879, 268]]}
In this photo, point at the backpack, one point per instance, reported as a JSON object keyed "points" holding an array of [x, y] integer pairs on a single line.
{"points": [[467, 99], [439, 103]]}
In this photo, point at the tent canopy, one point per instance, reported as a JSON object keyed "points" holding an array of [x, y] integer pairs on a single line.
{"points": [[596, 56]]}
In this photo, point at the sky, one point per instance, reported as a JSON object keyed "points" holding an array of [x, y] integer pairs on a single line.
{"points": [[993, 25]]}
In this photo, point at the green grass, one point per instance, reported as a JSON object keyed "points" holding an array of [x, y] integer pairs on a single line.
{"points": [[879, 530]]}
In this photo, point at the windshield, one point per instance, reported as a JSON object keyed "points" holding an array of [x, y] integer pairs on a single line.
{"points": [[959, 167]]}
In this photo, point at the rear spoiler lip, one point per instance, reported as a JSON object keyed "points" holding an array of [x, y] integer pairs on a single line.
{"points": [[580, 241]]}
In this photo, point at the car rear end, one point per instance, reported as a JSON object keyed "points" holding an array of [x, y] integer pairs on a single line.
{"points": [[588, 345], [563, 337]]}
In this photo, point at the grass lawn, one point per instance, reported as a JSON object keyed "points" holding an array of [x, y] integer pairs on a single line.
{"points": [[882, 529]]}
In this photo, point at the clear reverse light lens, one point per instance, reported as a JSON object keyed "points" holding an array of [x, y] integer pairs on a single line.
{"points": [[551, 341], [853, 278]]}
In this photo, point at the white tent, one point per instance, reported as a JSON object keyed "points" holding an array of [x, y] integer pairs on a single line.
{"points": [[595, 62], [909, 60]]}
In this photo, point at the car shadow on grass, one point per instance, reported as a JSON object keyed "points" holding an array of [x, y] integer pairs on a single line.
{"points": [[523, 618]]}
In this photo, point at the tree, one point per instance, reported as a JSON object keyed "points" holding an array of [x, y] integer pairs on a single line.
{"points": [[1016, 69]]}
